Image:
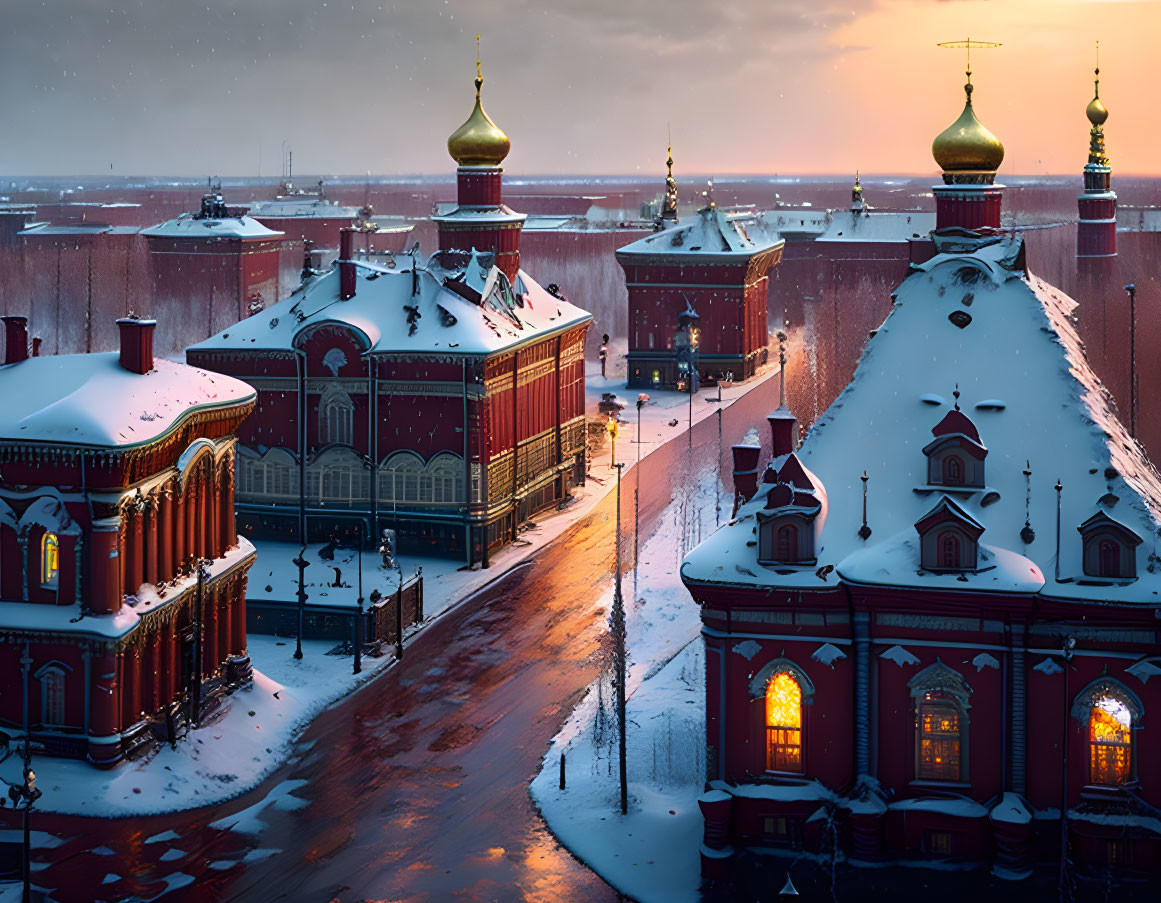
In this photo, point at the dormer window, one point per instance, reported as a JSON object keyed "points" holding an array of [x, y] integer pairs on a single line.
{"points": [[956, 456], [1109, 548], [948, 538], [794, 512]]}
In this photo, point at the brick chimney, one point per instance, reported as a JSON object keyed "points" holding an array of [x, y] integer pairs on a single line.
{"points": [[784, 431], [15, 339], [136, 344], [745, 473], [346, 264]]}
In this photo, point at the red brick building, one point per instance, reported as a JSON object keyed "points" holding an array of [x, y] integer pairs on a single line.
{"points": [[442, 397], [116, 475], [217, 265], [930, 629], [703, 281]]}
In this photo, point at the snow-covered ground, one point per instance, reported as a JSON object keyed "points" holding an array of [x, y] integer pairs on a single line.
{"points": [[252, 734], [245, 740], [652, 853]]}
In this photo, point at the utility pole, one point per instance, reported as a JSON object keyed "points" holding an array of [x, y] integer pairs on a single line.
{"points": [[359, 616], [620, 654], [1131, 288], [1068, 648]]}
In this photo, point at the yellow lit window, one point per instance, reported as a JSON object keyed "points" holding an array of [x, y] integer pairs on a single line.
{"points": [[1110, 742], [50, 559], [939, 738], [784, 724]]}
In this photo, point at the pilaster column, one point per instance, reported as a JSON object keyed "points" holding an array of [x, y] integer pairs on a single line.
{"points": [[861, 624], [1018, 729], [165, 543], [238, 612], [149, 535], [210, 632]]}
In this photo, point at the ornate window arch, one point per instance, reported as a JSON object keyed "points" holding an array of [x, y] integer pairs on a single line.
{"points": [[336, 417], [49, 559], [949, 550], [445, 473], [1110, 713], [52, 693], [785, 689], [953, 470], [941, 723], [400, 478]]}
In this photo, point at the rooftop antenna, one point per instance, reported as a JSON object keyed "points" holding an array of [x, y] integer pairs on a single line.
{"points": [[864, 530], [1058, 487]]}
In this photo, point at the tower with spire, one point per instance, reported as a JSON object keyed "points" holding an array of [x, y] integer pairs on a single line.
{"points": [[481, 221], [858, 205], [668, 215], [1096, 233], [969, 155]]}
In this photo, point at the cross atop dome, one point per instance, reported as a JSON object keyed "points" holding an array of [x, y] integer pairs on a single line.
{"points": [[479, 141], [967, 151]]}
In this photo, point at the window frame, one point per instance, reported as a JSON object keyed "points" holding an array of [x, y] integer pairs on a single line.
{"points": [[758, 686], [47, 580], [1083, 704], [940, 684]]}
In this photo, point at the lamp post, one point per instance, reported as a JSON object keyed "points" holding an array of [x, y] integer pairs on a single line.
{"points": [[23, 795], [203, 572], [611, 426], [1068, 648], [642, 400], [619, 655], [302, 564], [1131, 288], [359, 617]]}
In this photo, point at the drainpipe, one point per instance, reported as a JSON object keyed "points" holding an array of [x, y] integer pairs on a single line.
{"points": [[467, 466]]}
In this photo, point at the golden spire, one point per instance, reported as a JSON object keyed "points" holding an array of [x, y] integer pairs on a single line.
{"points": [[669, 205], [479, 141], [967, 146], [1097, 113]]}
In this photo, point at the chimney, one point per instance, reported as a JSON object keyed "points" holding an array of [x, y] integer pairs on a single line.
{"points": [[37, 341], [784, 431], [346, 264], [15, 339], [745, 472], [136, 344]]}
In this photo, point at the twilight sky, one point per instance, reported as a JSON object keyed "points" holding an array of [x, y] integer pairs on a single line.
{"points": [[581, 86]]}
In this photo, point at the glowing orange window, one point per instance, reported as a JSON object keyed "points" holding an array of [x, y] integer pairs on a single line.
{"points": [[1110, 742], [939, 739], [784, 724]]}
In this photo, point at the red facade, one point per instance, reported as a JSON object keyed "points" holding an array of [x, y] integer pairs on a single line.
{"points": [[103, 618]]}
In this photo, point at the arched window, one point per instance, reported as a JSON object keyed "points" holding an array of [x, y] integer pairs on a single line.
{"points": [[787, 543], [1109, 558], [784, 723], [952, 470], [336, 416], [399, 480], [52, 696], [447, 479], [948, 550], [49, 560], [940, 726], [1110, 738]]}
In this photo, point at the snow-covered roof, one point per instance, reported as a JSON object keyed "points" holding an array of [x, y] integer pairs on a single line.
{"points": [[877, 225], [710, 233], [190, 226], [1024, 382], [479, 314], [311, 208], [90, 400]]}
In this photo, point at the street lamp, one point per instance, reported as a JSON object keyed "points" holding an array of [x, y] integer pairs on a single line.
{"points": [[611, 426], [642, 400], [23, 795], [359, 602], [302, 564], [203, 572]]}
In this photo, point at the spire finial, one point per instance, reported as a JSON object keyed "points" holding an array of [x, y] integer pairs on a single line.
{"points": [[782, 368], [1097, 72], [968, 45], [479, 67], [955, 394]]}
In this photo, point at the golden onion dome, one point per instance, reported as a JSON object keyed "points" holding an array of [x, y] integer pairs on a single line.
{"points": [[1096, 111], [479, 141], [967, 144]]}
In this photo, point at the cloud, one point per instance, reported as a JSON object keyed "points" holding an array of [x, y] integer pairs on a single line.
{"points": [[372, 84]]}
